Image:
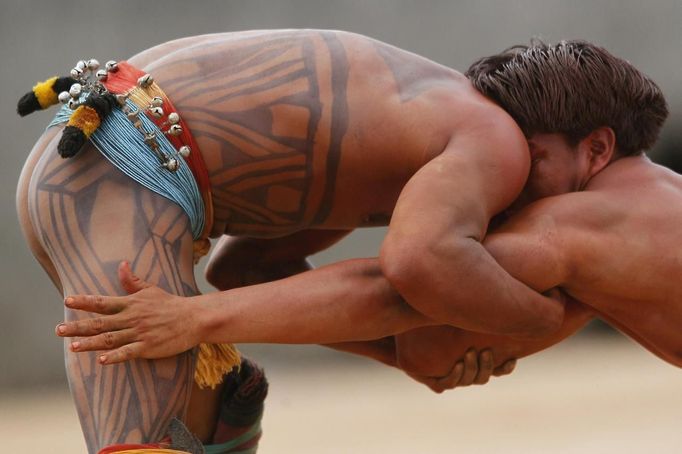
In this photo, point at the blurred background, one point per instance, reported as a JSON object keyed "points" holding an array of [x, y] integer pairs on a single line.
{"points": [[598, 392]]}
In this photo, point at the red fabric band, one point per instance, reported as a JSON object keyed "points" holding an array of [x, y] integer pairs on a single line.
{"points": [[123, 80]]}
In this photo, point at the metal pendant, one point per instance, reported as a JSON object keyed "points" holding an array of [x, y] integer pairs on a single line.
{"points": [[185, 151], [172, 164], [156, 112], [75, 90], [145, 81], [175, 130], [64, 97]]}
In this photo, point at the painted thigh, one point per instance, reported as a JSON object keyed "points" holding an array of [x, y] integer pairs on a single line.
{"points": [[88, 217]]}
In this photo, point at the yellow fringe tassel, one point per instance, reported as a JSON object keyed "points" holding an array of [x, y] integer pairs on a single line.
{"points": [[45, 94], [213, 362], [142, 97], [201, 247]]}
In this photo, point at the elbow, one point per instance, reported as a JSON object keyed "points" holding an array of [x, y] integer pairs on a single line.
{"points": [[410, 270], [399, 265]]}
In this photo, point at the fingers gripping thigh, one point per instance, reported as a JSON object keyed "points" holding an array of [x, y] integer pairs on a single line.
{"points": [[89, 217]]}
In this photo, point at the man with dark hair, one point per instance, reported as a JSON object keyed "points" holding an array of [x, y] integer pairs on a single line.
{"points": [[588, 117], [306, 135], [600, 234]]}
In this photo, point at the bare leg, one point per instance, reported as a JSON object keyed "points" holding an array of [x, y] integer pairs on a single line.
{"points": [[88, 217]]}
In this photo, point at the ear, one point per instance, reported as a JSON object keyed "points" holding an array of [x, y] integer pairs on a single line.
{"points": [[600, 147]]}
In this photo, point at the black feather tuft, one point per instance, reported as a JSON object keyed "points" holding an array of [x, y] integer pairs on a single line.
{"points": [[28, 104], [71, 142], [103, 104], [63, 84], [243, 395]]}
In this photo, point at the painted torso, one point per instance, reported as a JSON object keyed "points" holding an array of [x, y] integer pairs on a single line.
{"points": [[308, 129]]}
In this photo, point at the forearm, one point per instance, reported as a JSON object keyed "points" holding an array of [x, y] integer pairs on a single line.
{"points": [[458, 283], [505, 348], [345, 301], [382, 350], [432, 351]]}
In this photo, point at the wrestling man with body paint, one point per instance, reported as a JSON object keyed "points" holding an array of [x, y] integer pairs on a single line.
{"points": [[604, 243], [292, 126]]}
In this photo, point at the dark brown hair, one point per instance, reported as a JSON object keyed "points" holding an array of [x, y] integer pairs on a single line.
{"points": [[573, 88]]}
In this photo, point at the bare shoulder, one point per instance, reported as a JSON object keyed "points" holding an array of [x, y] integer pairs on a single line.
{"points": [[571, 226], [574, 209], [492, 139]]}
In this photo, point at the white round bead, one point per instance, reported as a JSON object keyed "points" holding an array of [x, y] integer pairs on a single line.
{"points": [[64, 97], [75, 90], [184, 151], [173, 118], [92, 64], [157, 101]]}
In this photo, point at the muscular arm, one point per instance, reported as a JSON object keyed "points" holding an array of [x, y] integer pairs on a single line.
{"points": [[433, 253], [531, 247], [240, 261], [345, 301], [432, 352], [440, 215]]}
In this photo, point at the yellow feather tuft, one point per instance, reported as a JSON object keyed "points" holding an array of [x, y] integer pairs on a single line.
{"points": [[45, 94]]}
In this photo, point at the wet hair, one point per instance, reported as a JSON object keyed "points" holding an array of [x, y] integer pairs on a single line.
{"points": [[573, 88]]}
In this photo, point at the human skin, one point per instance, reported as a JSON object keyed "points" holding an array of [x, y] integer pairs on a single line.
{"points": [[607, 246], [301, 131]]}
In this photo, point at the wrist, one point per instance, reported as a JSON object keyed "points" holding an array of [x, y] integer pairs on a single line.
{"points": [[199, 307], [208, 320]]}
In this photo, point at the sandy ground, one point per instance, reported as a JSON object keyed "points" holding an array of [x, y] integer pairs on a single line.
{"points": [[602, 395]]}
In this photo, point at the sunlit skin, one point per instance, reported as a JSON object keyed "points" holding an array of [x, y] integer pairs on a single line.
{"points": [[307, 135], [605, 246], [334, 131]]}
